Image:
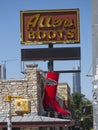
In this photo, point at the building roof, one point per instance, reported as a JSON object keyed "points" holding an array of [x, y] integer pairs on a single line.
{"points": [[33, 120]]}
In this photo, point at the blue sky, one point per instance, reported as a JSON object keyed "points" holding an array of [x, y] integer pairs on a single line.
{"points": [[10, 38]]}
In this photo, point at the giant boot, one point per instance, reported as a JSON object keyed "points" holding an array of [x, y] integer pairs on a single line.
{"points": [[50, 89]]}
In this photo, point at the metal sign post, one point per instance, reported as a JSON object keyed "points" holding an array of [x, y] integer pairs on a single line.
{"points": [[9, 122], [50, 63]]}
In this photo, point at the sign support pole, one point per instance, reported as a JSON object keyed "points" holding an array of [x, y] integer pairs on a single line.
{"points": [[50, 63]]}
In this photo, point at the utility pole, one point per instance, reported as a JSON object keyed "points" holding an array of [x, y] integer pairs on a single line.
{"points": [[95, 99], [9, 122], [95, 65]]}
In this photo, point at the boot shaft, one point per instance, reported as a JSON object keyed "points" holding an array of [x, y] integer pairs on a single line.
{"points": [[50, 90], [51, 84]]}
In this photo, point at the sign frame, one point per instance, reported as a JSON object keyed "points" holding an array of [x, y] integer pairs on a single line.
{"points": [[67, 31]]}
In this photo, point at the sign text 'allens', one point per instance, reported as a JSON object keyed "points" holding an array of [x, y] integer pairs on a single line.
{"points": [[51, 26]]}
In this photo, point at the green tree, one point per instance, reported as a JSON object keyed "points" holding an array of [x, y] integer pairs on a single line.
{"points": [[79, 101]]}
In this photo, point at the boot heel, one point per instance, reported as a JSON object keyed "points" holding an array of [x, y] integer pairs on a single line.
{"points": [[48, 109]]}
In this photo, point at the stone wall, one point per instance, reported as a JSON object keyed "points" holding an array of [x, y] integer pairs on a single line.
{"points": [[27, 87]]}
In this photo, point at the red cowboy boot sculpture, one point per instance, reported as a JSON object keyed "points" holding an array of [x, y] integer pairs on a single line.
{"points": [[50, 89]]}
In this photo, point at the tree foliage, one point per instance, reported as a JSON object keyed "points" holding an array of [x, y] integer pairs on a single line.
{"points": [[77, 103]]}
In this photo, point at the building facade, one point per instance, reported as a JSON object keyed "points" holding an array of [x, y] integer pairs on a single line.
{"points": [[64, 92], [2, 71], [76, 80], [30, 87]]}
